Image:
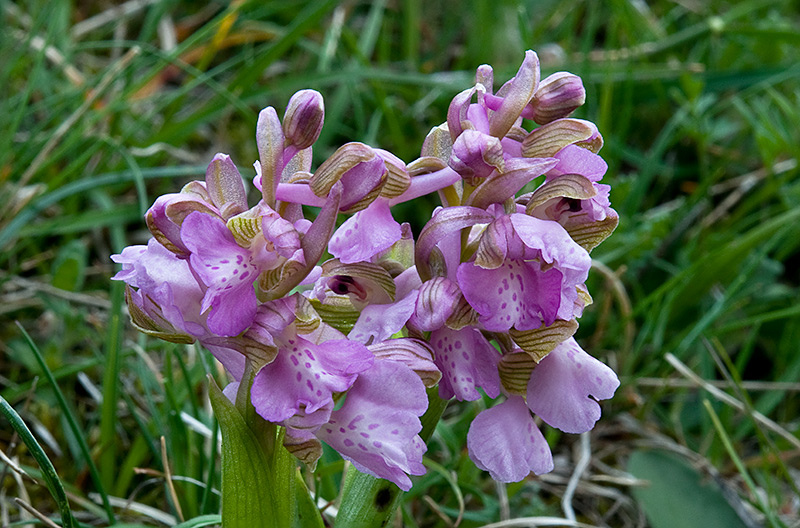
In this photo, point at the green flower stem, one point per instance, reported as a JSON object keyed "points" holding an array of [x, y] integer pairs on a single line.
{"points": [[260, 485], [369, 502]]}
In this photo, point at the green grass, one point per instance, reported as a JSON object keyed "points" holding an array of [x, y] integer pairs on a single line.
{"points": [[699, 105]]}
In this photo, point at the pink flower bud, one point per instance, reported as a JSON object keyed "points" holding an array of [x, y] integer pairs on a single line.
{"points": [[476, 155], [303, 119], [360, 169], [270, 140], [558, 96], [225, 186]]}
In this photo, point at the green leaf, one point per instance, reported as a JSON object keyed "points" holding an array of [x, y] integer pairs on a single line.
{"points": [[247, 486], [201, 521], [260, 488], [69, 266], [678, 496], [308, 515]]}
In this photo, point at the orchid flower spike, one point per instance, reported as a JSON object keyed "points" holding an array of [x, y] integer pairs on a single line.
{"points": [[482, 304]]}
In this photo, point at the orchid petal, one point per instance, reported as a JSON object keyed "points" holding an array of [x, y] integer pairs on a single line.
{"points": [[426, 184], [270, 141], [304, 376], [365, 234], [378, 322], [467, 361], [165, 227], [457, 111], [437, 144], [501, 186], [299, 193], [225, 186], [573, 159], [564, 387], [358, 167], [226, 270], [413, 353], [517, 294], [520, 91], [476, 155], [164, 280], [549, 241], [505, 441], [547, 140], [233, 361], [377, 427], [445, 221], [435, 304], [313, 243]]}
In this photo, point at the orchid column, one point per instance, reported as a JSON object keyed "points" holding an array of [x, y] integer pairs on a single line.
{"points": [[363, 351]]}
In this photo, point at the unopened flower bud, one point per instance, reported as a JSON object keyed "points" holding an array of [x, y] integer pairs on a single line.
{"points": [[484, 75], [360, 169], [516, 93], [558, 96], [225, 186], [270, 140], [438, 143], [303, 119], [476, 155]]}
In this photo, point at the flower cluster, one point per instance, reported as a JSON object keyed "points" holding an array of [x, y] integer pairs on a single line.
{"points": [[485, 300]]}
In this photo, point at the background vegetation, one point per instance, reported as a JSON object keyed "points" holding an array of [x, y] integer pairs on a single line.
{"points": [[103, 108]]}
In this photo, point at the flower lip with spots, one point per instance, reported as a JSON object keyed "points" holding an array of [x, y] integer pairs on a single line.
{"points": [[535, 268]]}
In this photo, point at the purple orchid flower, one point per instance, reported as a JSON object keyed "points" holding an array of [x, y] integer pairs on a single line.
{"points": [[464, 356], [505, 441], [535, 269], [565, 386], [563, 390], [377, 427], [304, 374], [467, 361], [226, 269], [165, 299], [342, 352], [365, 234], [165, 287], [572, 196]]}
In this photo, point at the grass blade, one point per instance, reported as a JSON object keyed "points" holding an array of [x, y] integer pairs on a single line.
{"points": [[25, 216], [726, 441], [73, 425], [108, 417], [48, 471]]}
